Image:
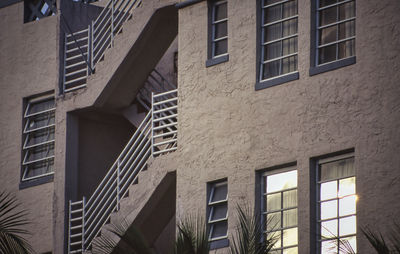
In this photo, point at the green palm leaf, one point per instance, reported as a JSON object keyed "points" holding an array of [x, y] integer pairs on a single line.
{"points": [[12, 222], [192, 236]]}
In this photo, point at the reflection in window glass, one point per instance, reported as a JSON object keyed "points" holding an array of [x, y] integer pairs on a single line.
{"points": [[279, 211], [218, 211], [219, 28], [337, 204]]}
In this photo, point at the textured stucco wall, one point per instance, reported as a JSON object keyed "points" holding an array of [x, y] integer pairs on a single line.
{"points": [[28, 66], [227, 129]]}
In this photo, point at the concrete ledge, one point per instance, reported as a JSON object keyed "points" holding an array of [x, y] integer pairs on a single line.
{"points": [[187, 3]]}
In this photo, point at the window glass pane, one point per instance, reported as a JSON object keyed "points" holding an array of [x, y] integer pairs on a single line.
{"points": [[220, 192], [282, 181], [290, 251], [328, 190], [272, 14], [347, 226], [337, 169], [268, 2], [329, 209], [40, 120], [347, 29], [290, 28], [289, 9], [219, 211], [347, 49], [290, 199], [289, 64], [271, 69], [347, 186], [40, 136], [273, 221], [273, 202], [347, 205], [289, 237], [221, 30], [327, 35], [327, 54], [39, 168], [329, 246], [275, 236], [329, 229], [41, 106], [220, 11], [290, 218], [323, 3], [272, 51], [328, 16], [289, 46], [273, 32], [221, 47], [219, 229], [347, 10]]}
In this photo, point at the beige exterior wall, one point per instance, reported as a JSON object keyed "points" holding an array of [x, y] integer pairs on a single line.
{"points": [[227, 129], [28, 66]]}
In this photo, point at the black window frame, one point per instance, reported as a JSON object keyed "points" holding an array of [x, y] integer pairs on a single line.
{"points": [[315, 68], [211, 58]]}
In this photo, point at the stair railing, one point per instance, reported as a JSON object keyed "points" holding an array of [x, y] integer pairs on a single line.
{"points": [[98, 37], [154, 137]]}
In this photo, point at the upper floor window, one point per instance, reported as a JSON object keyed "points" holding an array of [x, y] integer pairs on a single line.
{"points": [[218, 32], [37, 9], [217, 214], [38, 138], [334, 37], [336, 199], [279, 209], [278, 42]]}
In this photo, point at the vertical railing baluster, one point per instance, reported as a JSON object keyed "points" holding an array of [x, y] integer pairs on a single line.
{"points": [[152, 124], [65, 62], [91, 46], [118, 182], [89, 68], [112, 23], [83, 222], [69, 227]]}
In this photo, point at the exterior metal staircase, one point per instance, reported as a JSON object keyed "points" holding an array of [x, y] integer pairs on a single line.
{"points": [[156, 135], [85, 48]]}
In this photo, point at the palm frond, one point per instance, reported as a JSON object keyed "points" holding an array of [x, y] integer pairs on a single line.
{"points": [[192, 236], [248, 238], [376, 240], [12, 222], [395, 237]]}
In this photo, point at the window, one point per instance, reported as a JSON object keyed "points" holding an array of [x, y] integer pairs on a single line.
{"points": [[278, 42], [336, 199], [217, 213], [279, 209], [334, 36], [38, 9], [218, 32], [38, 138]]}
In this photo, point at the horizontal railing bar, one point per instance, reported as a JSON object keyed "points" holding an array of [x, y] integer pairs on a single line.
{"points": [[74, 80], [75, 72], [75, 227], [106, 9], [76, 219], [165, 150], [137, 157], [75, 88], [76, 243], [76, 235], [135, 174], [74, 57], [102, 40], [77, 211], [165, 126], [90, 225], [101, 33], [165, 118], [94, 205], [76, 202], [165, 109], [76, 33], [77, 40], [165, 142], [75, 49], [76, 64], [165, 101], [165, 134], [165, 93]]}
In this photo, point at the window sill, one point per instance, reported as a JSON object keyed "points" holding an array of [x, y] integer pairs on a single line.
{"points": [[332, 66], [35, 182], [219, 244], [217, 60], [277, 81]]}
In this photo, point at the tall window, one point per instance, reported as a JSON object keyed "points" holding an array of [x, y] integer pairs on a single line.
{"points": [[279, 209], [217, 208], [278, 39], [38, 138], [336, 204], [218, 32], [335, 33]]}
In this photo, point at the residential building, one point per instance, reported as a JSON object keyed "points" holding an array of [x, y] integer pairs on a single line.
{"points": [[154, 110]]}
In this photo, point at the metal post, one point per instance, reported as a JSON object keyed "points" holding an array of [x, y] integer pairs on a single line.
{"points": [[112, 23], [118, 189], [152, 124], [65, 61], [83, 222], [91, 46], [89, 68], [69, 227]]}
